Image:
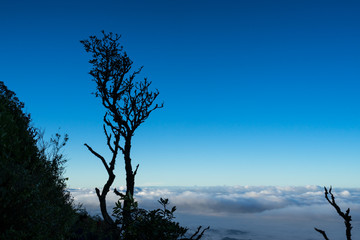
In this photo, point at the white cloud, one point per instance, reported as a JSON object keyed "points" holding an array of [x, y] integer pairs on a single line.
{"points": [[225, 200], [271, 209], [345, 194]]}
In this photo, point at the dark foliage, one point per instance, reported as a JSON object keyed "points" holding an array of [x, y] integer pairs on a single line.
{"points": [[33, 196], [34, 202], [88, 227], [154, 224]]}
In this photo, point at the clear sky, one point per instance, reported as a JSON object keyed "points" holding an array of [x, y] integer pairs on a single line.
{"points": [[255, 92]]}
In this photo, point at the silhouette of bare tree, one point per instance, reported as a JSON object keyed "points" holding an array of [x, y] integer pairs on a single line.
{"points": [[128, 104], [346, 216]]}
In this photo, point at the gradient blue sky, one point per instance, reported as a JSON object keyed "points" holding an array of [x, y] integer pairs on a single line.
{"points": [[255, 92]]}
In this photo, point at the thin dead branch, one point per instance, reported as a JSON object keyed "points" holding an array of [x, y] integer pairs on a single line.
{"points": [[346, 216]]}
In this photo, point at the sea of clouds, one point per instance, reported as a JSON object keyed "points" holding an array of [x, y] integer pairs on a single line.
{"points": [[247, 212]]}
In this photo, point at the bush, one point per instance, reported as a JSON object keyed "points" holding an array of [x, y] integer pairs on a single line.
{"points": [[34, 202], [150, 224]]}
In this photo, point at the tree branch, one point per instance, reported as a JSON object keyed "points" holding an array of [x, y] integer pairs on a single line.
{"points": [[137, 166], [115, 152], [196, 234], [99, 156], [108, 138], [346, 216], [97, 192], [322, 233], [118, 193]]}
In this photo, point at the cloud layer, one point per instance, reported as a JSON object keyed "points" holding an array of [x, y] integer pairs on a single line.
{"points": [[271, 209]]}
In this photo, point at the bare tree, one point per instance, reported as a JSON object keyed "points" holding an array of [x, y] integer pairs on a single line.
{"points": [[346, 216], [128, 104]]}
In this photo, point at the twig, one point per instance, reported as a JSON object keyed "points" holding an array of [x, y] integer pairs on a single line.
{"points": [[323, 233]]}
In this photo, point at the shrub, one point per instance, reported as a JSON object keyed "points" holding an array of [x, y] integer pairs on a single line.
{"points": [[34, 202]]}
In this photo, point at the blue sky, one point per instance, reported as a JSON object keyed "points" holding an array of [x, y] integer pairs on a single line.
{"points": [[255, 92]]}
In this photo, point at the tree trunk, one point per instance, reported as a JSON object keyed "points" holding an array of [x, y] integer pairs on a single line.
{"points": [[130, 181], [102, 200]]}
